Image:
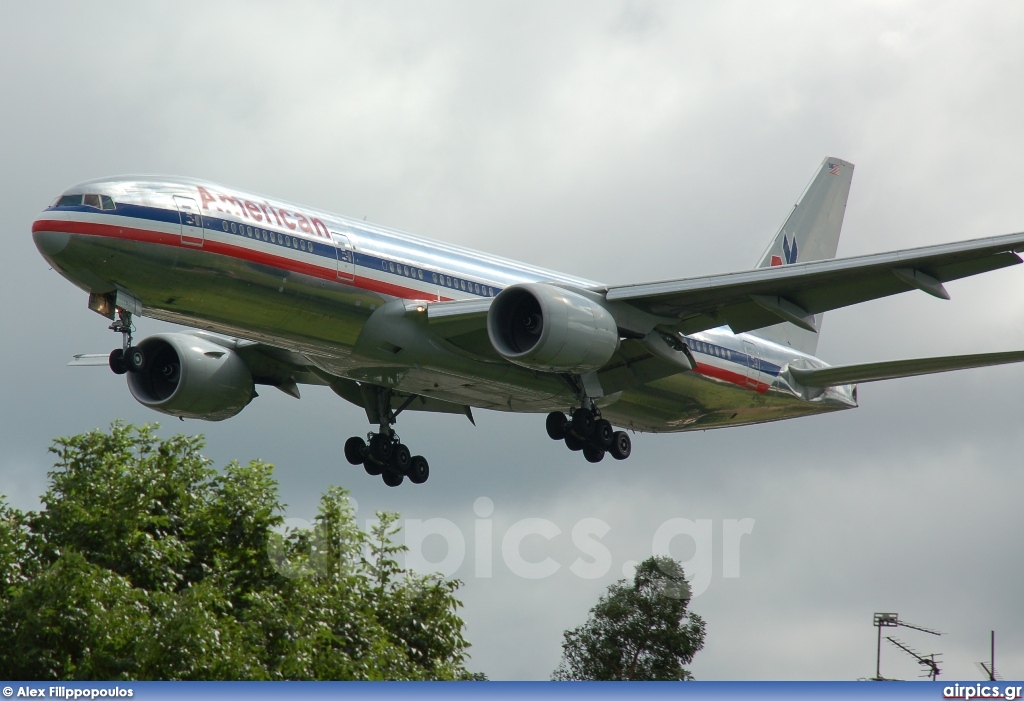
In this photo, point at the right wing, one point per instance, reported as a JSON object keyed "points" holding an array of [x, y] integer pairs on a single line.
{"points": [[762, 297], [890, 370]]}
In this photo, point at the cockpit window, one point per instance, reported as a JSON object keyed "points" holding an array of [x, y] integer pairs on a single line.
{"points": [[97, 201]]}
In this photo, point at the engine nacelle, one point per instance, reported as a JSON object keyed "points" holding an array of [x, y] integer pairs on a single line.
{"points": [[543, 327], [189, 376]]}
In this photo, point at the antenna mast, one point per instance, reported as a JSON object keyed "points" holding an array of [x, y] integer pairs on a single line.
{"points": [[892, 620]]}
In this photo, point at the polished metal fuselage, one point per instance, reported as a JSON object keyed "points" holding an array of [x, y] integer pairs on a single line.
{"points": [[337, 291]]}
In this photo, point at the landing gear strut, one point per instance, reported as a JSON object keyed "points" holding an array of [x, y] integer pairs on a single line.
{"points": [[586, 431], [127, 358], [383, 453]]}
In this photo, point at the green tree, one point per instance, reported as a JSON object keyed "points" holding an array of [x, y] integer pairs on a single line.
{"points": [[145, 563], [640, 631]]}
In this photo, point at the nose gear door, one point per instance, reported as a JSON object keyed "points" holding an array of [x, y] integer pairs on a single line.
{"points": [[346, 257], [191, 221]]}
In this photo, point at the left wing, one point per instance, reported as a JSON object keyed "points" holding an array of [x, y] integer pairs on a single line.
{"points": [[286, 370], [757, 298]]}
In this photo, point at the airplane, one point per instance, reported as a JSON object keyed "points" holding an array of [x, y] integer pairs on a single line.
{"points": [[281, 294]]}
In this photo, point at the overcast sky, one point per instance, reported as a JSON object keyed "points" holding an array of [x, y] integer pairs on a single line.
{"points": [[619, 141]]}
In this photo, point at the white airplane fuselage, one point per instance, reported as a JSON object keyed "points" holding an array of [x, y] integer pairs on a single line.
{"points": [[338, 291]]}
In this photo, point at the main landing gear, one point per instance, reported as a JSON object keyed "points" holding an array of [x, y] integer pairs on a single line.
{"points": [[588, 432], [127, 358], [383, 453], [388, 457]]}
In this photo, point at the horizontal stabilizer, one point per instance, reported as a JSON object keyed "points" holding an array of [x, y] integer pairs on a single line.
{"points": [[890, 370]]}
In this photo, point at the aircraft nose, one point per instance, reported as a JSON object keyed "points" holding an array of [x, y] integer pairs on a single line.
{"points": [[50, 243]]}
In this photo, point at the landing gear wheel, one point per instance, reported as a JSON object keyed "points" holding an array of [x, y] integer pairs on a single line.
{"points": [[573, 443], [593, 454], [134, 359], [556, 425], [419, 470], [392, 478], [355, 449], [603, 434], [401, 459], [381, 448], [372, 468], [621, 445], [582, 423], [116, 361]]}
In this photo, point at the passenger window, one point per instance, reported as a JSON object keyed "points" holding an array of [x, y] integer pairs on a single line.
{"points": [[224, 225], [419, 274], [391, 267], [434, 276]]}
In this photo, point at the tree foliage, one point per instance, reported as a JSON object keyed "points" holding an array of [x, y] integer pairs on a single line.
{"points": [[145, 563], [640, 631]]}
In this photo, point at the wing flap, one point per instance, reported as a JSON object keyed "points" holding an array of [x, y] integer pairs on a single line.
{"points": [[890, 370]]}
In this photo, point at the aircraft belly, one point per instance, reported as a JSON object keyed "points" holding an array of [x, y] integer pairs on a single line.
{"points": [[690, 402], [227, 295]]}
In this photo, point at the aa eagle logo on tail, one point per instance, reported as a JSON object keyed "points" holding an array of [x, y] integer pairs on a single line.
{"points": [[787, 250]]}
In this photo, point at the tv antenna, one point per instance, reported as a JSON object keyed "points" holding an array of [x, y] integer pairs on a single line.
{"points": [[928, 662], [892, 620], [990, 666]]}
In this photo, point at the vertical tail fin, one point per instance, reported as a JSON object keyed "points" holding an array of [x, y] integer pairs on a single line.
{"points": [[811, 232]]}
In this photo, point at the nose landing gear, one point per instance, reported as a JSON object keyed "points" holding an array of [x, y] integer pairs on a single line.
{"points": [[127, 358]]}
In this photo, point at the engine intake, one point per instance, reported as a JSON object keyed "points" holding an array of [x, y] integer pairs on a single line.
{"points": [[191, 377], [543, 327]]}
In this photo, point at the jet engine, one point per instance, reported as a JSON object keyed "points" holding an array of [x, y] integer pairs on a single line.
{"points": [[187, 376], [543, 327]]}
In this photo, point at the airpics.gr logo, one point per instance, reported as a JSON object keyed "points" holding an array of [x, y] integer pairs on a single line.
{"points": [[789, 252]]}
